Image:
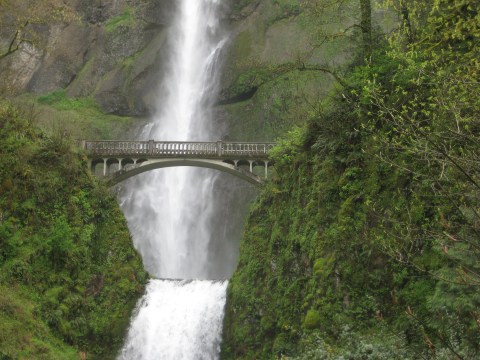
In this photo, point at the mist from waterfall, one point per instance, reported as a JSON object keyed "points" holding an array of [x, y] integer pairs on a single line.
{"points": [[173, 213]]}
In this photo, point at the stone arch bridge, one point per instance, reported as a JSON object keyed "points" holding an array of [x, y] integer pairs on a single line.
{"points": [[120, 160]]}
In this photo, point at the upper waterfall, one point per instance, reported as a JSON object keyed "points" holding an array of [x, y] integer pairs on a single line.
{"points": [[170, 213]]}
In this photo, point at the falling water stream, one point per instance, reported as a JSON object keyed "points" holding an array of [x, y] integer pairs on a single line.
{"points": [[172, 213]]}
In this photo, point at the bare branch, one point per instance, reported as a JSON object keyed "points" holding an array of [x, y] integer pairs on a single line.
{"points": [[16, 43], [337, 77]]}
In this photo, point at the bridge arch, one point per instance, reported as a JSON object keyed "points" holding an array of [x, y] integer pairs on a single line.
{"points": [[152, 164]]}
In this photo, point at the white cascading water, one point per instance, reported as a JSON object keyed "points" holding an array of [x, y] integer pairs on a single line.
{"points": [[170, 212], [177, 320]]}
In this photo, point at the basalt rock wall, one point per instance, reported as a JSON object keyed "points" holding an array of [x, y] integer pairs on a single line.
{"points": [[278, 61], [109, 50]]}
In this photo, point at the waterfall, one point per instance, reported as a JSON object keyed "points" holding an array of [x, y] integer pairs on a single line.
{"points": [[172, 213], [177, 320]]}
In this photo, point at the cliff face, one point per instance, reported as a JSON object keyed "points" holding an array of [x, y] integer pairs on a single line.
{"points": [[84, 59], [283, 58], [70, 276], [364, 245], [110, 51], [277, 64]]}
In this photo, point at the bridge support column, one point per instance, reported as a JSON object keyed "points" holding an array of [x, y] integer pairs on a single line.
{"points": [[105, 166], [120, 164], [266, 169], [251, 165]]}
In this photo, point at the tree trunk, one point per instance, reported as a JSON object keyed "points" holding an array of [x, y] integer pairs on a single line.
{"points": [[366, 25], [406, 22]]}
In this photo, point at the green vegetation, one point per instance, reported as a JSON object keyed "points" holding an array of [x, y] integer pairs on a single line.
{"points": [[283, 97], [280, 66], [366, 243], [20, 21], [59, 100], [80, 118], [289, 7], [239, 5], [69, 276], [126, 19]]}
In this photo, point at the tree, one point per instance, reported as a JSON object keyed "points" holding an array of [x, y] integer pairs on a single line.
{"points": [[366, 26], [427, 107]]}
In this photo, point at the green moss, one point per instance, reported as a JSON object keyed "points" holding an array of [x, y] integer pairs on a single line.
{"points": [[289, 7], [239, 5], [283, 99], [59, 100], [312, 320], [127, 19], [129, 61], [243, 43], [353, 249], [84, 75], [23, 334], [129, 64], [323, 267], [281, 345]]}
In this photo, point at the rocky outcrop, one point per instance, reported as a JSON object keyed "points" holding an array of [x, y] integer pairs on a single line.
{"points": [[62, 58], [109, 50]]}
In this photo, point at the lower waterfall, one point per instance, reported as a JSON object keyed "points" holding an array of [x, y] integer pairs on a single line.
{"points": [[177, 320]]}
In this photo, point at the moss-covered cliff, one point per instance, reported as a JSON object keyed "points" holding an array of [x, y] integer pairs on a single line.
{"points": [[282, 59], [365, 245], [69, 276]]}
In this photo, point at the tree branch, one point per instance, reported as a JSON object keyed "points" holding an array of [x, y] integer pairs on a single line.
{"points": [[337, 77], [15, 43]]}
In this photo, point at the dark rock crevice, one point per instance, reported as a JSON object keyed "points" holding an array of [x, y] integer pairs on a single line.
{"points": [[243, 96]]}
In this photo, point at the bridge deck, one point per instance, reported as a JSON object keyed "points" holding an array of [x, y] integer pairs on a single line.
{"points": [[179, 149]]}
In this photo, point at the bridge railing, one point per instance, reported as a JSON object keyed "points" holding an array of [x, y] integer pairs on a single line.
{"points": [[151, 148]]}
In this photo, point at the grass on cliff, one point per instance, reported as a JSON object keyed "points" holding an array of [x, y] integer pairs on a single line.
{"points": [[80, 118], [125, 19], [69, 274], [24, 335]]}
